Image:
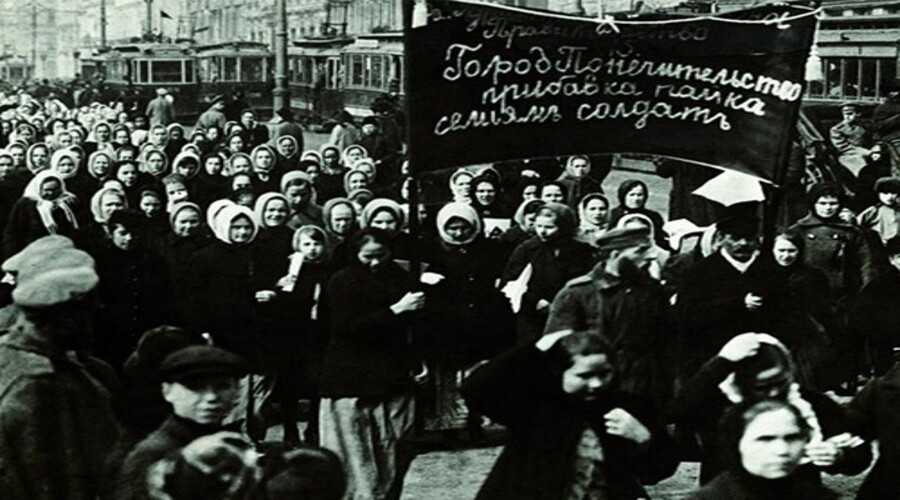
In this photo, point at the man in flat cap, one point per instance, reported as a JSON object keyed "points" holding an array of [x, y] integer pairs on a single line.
{"points": [[852, 139], [619, 299], [725, 294], [214, 116], [201, 384], [56, 421]]}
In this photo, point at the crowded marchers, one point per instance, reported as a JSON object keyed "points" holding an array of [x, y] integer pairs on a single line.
{"points": [[217, 312]]}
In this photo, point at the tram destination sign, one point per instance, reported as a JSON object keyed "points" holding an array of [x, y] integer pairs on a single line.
{"points": [[489, 83]]}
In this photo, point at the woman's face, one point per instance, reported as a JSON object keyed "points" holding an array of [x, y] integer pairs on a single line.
{"points": [[122, 238], [175, 133], [100, 165], [127, 174], [121, 137], [330, 158], [264, 161], [286, 147], [357, 180], [366, 167], [342, 219], [578, 168], [125, 154], [311, 249], [241, 181], [26, 134], [461, 185], [240, 231], [156, 163], [298, 195], [39, 158], [275, 214], [187, 223], [64, 139], [18, 154], [636, 197], [241, 165], [827, 207], [530, 192], [385, 220], [372, 254], [313, 172], [6, 166], [77, 138], [213, 165], [485, 193], [545, 227], [109, 203], [212, 134], [151, 206], [51, 189], [187, 168], [176, 191], [102, 133], [588, 376], [772, 445], [459, 230], [65, 166], [158, 135], [552, 194], [236, 144], [354, 154], [596, 212], [785, 252], [528, 221]]}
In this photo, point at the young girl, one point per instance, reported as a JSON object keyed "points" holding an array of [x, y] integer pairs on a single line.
{"points": [[633, 195], [572, 433], [883, 218]]}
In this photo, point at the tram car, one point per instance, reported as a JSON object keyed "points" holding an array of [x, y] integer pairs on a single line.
{"points": [[373, 67], [316, 77], [136, 70], [237, 67], [14, 70]]}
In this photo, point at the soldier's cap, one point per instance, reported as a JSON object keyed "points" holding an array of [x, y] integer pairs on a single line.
{"points": [[888, 185], [850, 105], [46, 280], [200, 361], [739, 225], [626, 237], [41, 246]]}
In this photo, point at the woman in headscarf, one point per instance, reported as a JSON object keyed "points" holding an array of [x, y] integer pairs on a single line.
{"points": [[593, 218], [523, 229], [44, 208], [238, 163], [19, 153], [121, 136], [94, 235], [577, 180], [302, 196], [155, 164], [265, 169], [461, 185], [364, 418], [187, 165], [127, 173], [486, 195], [633, 195], [210, 183], [99, 138], [303, 329], [12, 183], [99, 164], [355, 179], [552, 257], [175, 139], [662, 254], [388, 215], [233, 143], [274, 239], [178, 248], [353, 153], [288, 153], [38, 157], [330, 183], [341, 220], [460, 305]]}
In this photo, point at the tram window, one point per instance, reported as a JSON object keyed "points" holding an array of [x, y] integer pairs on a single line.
{"points": [[308, 71], [143, 72], [376, 73], [188, 71], [357, 70], [203, 73], [229, 69], [167, 72], [867, 79], [252, 69]]}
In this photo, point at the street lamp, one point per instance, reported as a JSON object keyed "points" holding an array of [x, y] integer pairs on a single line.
{"points": [[281, 93]]}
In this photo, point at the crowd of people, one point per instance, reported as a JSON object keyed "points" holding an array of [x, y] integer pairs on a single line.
{"points": [[172, 294]]}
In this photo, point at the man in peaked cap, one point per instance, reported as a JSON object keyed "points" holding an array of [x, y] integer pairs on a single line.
{"points": [[200, 382], [619, 299], [54, 401], [214, 116], [725, 294], [852, 138]]}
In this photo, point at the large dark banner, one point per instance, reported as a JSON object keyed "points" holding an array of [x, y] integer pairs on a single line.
{"points": [[489, 83]]}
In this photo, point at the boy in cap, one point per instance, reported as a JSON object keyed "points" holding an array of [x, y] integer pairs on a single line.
{"points": [[724, 294], [201, 384], [851, 138], [619, 300], [54, 403]]}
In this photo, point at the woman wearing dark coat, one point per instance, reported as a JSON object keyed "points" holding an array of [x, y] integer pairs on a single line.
{"points": [[366, 383], [177, 249], [564, 442], [44, 208], [636, 205], [555, 257]]}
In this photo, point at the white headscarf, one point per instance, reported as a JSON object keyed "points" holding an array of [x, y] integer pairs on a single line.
{"points": [[463, 211], [45, 207], [227, 216]]}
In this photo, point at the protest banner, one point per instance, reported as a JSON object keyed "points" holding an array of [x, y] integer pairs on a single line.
{"points": [[489, 83]]}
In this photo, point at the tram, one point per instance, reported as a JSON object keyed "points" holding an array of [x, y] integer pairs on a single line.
{"points": [[236, 67], [14, 70], [142, 68], [373, 67], [316, 77]]}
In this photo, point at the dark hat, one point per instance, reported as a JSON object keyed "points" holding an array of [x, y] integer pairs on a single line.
{"points": [[130, 219], [740, 225], [850, 105], [285, 113], [626, 237], [200, 360], [69, 275], [216, 99], [888, 185], [156, 344], [370, 120]]}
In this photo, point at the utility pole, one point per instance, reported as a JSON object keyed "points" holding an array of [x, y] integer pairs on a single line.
{"points": [[33, 38], [281, 94], [149, 29], [102, 24]]}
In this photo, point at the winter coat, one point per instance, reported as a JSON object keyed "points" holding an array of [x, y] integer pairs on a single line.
{"points": [[874, 411], [178, 254], [633, 316], [368, 354], [520, 390], [25, 225], [734, 485], [56, 421]]}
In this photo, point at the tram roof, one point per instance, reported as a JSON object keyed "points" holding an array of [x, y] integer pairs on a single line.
{"points": [[147, 49], [229, 48]]}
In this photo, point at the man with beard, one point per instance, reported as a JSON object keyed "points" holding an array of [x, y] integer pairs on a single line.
{"points": [[620, 300], [56, 420], [724, 294]]}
